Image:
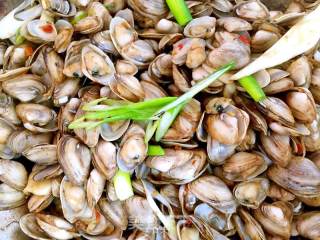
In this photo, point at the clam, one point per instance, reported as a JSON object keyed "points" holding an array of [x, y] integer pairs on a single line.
{"points": [[15, 57], [114, 212], [60, 8], [21, 140], [263, 40], [243, 166], [275, 218], [10, 197], [104, 158], [213, 217], [139, 52], [30, 227], [56, 227], [98, 17], [300, 177], [232, 49], [64, 36], [73, 202], [67, 114], [251, 226], [234, 24], [147, 14], [300, 72], [95, 225], [65, 90], [36, 117], [114, 130], [277, 147], [114, 6], [39, 31], [75, 159], [89, 136], [6, 128], [302, 104], [124, 67], [212, 190], [127, 87], [177, 166], [132, 149], [39, 203], [95, 187], [226, 123], [40, 187], [44, 154], [13, 174], [167, 27], [140, 214], [103, 41], [202, 27], [184, 126], [307, 224], [96, 65], [277, 110], [315, 81], [279, 193], [251, 193], [121, 33], [72, 63], [25, 87], [252, 10]]}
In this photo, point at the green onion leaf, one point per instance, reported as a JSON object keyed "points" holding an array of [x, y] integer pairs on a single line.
{"points": [[197, 88], [155, 150], [19, 39], [122, 185], [151, 129], [79, 16], [252, 87], [180, 11], [166, 120]]}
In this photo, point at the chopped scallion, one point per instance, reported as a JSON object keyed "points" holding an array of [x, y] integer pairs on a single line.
{"points": [[79, 16], [166, 120], [122, 185], [19, 39], [252, 87], [155, 150], [180, 11]]}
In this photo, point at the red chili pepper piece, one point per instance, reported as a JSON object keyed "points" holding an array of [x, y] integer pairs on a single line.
{"points": [[180, 46], [47, 28], [244, 39], [28, 51]]}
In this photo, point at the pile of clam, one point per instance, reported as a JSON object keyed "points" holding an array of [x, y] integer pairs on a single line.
{"points": [[232, 168]]}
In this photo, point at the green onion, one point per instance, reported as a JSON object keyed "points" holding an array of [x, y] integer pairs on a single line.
{"points": [[121, 111], [155, 150], [151, 129], [19, 39], [160, 112], [122, 185], [109, 6], [252, 87], [166, 120], [79, 16], [197, 88], [180, 11]]}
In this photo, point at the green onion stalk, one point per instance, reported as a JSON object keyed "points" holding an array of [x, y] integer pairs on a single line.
{"points": [[79, 16], [252, 87], [122, 185], [180, 11], [155, 150]]}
